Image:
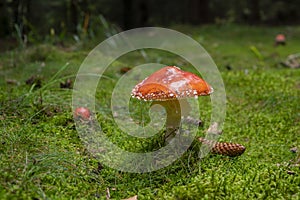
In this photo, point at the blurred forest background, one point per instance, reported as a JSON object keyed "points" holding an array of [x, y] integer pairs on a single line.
{"points": [[29, 21]]}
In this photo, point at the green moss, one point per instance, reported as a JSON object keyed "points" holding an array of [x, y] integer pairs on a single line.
{"points": [[42, 156]]}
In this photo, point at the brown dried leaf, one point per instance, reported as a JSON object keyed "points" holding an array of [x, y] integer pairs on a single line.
{"points": [[135, 197]]}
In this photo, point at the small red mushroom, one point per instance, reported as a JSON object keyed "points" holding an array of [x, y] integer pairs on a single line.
{"points": [[280, 39], [82, 113]]}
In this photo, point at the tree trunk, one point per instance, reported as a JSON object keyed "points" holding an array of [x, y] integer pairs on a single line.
{"points": [[5, 19], [74, 16], [128, 15], [144, 13], [254, 11], [15, 7], [198, 11]]}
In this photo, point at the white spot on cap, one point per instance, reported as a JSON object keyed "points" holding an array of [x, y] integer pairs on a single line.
{"points": [[178, 84], [211, 90]]}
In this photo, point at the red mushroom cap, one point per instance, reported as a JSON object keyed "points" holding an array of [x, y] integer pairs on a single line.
{"points": [[82, 113], [280, 38], [171, 83]]}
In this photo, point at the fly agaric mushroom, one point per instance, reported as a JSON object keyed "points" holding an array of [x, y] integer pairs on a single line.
{"points": [[280, 39], [167, 87]]}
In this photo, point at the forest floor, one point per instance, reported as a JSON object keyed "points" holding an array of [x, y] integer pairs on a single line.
{"points": [[42, 156]]}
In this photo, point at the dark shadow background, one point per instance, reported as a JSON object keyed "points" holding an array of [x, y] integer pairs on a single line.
{"points": [[38, 19]]}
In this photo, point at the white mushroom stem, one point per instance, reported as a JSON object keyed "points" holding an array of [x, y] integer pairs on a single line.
{"points": [[175, 109]]}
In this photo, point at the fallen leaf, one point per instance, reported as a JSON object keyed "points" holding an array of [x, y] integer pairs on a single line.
{"points": [[107, 193], [132, 198]]}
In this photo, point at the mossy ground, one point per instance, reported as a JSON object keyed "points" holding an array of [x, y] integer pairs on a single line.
{"points": [[42, 156]]}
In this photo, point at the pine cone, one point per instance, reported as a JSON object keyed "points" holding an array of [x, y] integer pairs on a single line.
{"points": [[224, 148]]}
